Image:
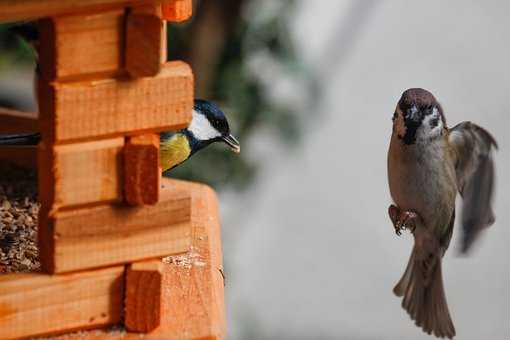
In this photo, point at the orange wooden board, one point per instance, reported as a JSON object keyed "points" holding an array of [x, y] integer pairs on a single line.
{"points": [[77, 45], [82, 173], [87, 109], [17, 10], [142, 172], [103, 235], [144, 289], [177, 10], [34, 304], [145, 41]]}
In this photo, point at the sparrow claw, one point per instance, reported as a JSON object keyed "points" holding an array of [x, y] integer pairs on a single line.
{"points": [[402, 220]]}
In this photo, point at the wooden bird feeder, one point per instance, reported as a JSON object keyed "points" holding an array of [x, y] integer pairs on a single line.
{"points": [[107, 218]]}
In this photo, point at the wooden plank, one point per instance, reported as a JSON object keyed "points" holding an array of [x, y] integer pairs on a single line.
{"points": [[20, 155], [103, 235], [177, 10], [36, 304], [193, 294], [12, 121], [71, 111], [78, 45], [17, 10], [142, 172], [82, 173], [144, 288], [145, 41]]}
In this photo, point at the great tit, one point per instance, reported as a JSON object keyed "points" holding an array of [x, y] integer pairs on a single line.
{"points": [[428, 163], [208, 125]]}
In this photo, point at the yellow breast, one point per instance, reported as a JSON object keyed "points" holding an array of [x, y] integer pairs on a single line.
{"points": [[174, 151]]}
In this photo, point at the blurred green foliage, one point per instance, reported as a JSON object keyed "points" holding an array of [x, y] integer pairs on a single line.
{"points": [[244, 97], [13, 49]]}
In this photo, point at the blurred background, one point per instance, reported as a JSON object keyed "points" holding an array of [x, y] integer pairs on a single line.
{"points": [[310, 88]]}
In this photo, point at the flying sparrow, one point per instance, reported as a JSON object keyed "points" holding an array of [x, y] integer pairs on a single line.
{"points": [[428, 163]]}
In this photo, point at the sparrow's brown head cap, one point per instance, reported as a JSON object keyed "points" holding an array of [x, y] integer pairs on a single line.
{"points": [[421, 99]]}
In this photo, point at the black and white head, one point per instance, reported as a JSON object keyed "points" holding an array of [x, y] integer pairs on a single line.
{"points": [[418, 117], [209, 125]]}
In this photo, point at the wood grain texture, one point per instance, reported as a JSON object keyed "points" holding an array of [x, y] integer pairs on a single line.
{"points": [[144, 287], [35, 304], [193, 294], [177, 10], [17, 10], [20, 155], [77, 45], [145, 41], [87, 109], [192, 298], [82, 173], [142, 172], [12, 121], [103, 235]]}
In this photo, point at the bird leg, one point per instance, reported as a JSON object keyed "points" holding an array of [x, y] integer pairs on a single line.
{"points": [[402, 220]]}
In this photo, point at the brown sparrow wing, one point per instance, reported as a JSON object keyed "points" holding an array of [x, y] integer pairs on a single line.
{"points": [[474, 166]]}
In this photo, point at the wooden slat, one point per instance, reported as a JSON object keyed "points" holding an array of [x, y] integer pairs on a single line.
{"points": [[85, 44], [17, 10], [35, 304], [177, 10], [88, 109], [145, 41], [82, 173], [142, 172], [193, 294], [144, 288], [12, 121], [23, 156], [104, 235]]}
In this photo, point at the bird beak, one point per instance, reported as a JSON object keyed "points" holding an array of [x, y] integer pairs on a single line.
{"points": [[232, 143]]}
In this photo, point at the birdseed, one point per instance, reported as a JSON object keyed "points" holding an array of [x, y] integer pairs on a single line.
{"points": [[18, 220]]}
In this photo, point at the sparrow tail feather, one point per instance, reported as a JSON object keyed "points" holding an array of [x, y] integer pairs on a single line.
{"points": [[421, 287]]}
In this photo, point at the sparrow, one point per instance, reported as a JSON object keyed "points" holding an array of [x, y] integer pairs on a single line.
{"points": [[428, 164], [208, 125]]}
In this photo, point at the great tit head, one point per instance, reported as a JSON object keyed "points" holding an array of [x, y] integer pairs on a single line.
{"points": [[418, 116], [209, 125]]}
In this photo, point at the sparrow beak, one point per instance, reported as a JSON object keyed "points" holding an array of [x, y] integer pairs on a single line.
{"points": [[232, 143]]}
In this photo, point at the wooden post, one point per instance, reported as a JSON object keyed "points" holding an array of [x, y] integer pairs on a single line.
{"points": [[144, 289], [177, 10], [146, 41], [142, 171]]}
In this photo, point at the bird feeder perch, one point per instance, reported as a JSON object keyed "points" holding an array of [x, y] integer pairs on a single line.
{"points": [[105, 92]]}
